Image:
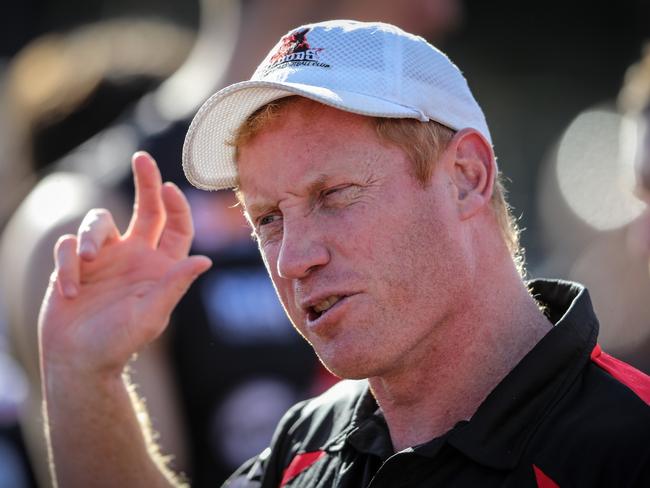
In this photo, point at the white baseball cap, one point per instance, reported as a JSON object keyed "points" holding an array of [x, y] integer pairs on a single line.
{"points": [[371, 69]]}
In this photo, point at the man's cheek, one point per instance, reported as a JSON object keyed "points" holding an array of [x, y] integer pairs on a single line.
{"points": [[270, 261]]}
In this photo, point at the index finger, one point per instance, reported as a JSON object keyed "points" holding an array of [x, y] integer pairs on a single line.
{"points": [[148, 217]]}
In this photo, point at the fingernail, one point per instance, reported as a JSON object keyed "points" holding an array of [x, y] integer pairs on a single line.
{"points": [[87, 249], [140, 154], [70, 290]]}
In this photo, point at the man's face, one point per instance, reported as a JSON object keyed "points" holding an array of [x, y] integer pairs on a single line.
{"points": [[366, 261]]}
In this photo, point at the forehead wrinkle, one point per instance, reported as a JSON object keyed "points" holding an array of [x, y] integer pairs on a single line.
{"points": [[261, 207]]}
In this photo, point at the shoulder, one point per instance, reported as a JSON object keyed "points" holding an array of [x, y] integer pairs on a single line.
{"points": [[613, 403], [620, 377], [612, 397], [598, 431], [609, 399], [306, 429]]}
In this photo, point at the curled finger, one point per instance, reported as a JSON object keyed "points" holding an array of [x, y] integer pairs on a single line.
{"points": [[162, 299], [66, 262], [96, 229]]}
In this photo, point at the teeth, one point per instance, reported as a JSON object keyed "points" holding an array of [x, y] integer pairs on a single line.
{"points": [[320, 307]]}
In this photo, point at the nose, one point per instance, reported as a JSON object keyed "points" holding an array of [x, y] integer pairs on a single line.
{"points": [[302, 250]]}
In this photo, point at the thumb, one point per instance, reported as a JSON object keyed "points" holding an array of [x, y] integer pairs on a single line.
{"points": [[173, 285]]}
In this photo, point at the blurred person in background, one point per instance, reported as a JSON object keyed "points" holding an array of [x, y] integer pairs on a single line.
{"points": [[59, 90], [15, 466], [231, 320], [594, 227], [634, 101], [62, 88]]}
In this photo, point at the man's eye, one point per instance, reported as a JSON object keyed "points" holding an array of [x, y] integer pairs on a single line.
{"points": [[267, 219], [340, 195], [331, 191], [335, 190]]}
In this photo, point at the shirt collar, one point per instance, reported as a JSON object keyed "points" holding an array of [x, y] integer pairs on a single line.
{"points": [[363, 417], [367, 432]]}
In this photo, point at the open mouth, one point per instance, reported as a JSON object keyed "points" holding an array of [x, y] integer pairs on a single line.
{"points": [[316, 311]]}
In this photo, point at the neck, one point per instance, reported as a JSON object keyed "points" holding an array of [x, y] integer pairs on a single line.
{"points": [[447, 382]]}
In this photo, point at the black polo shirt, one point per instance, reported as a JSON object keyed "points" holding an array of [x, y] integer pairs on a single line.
{"points": [[568, 415]]}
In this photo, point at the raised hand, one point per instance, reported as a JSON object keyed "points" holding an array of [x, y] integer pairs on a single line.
{"points": [[112, 294]]}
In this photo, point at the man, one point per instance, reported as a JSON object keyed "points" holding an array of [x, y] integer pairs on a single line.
{"points": [[365, 168]]}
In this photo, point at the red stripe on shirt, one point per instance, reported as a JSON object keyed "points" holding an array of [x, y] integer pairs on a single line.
{"points": [[543, 481], [298, 464], [635, 380]]}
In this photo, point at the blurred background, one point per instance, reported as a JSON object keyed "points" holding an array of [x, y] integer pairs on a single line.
{"points": [[83, 84]]}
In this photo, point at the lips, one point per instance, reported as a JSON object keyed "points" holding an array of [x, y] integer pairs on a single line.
{"points": [[321, 306]]}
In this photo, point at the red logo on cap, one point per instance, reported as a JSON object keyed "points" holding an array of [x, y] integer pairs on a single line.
{"points": [[295, 42], [295, 51]]}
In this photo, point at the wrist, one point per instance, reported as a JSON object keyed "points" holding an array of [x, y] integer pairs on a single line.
{"points": [[73, 365], [61, 380]]}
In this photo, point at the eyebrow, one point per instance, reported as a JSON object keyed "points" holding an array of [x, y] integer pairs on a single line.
{"points": [[318, 184], [258, 209]]}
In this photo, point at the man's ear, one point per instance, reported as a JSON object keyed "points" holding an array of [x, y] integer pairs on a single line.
{"points": [[473, 171]]}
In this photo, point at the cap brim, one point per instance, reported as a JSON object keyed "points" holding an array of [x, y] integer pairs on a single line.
{"points": [[208, 157]]}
